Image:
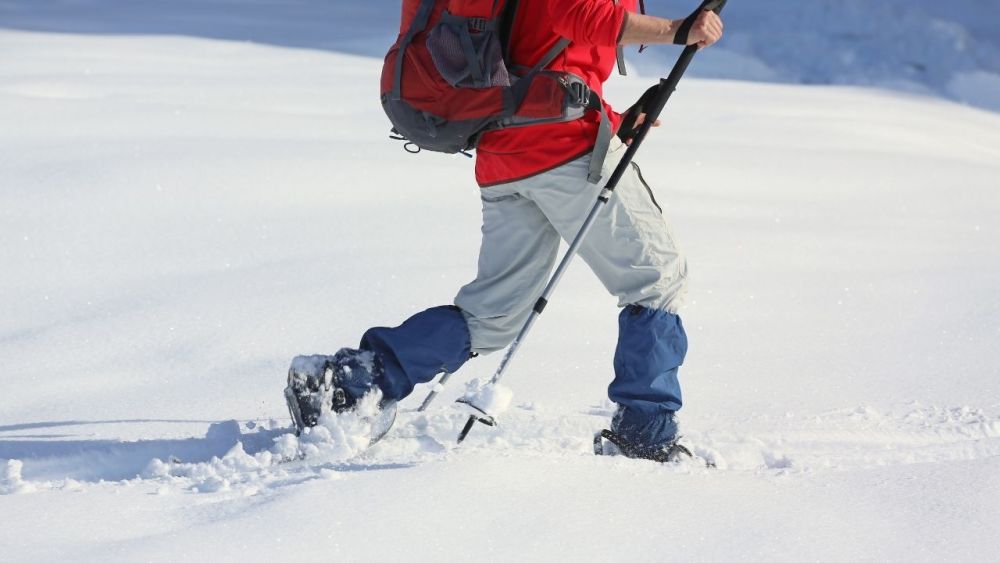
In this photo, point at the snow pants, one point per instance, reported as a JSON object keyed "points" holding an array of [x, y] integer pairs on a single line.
{"points": [[630, 248]]}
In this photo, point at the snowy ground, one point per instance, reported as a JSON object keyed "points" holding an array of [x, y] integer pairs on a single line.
{"points": [[182, 213]]}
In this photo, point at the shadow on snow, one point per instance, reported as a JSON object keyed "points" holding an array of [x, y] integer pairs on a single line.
{"points": [[112, 460]]}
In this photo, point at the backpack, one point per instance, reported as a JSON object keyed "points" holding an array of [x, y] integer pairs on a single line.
{"points": [[446, 80]]}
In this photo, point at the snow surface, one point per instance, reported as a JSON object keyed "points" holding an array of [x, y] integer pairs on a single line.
{"points": [[493, 399], [183, 211]]}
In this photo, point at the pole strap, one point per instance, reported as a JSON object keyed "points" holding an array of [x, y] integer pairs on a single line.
{"points": [[681, 37]]}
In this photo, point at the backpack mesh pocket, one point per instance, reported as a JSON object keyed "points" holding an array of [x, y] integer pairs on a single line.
{"points": [[467, 52]]}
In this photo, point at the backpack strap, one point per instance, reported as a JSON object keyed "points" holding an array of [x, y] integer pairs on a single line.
{"points": [[603, 143], [591, 100], [507, 17], [520, 88], [551, 54], [620, 52], [480, 79], [416, 26]]}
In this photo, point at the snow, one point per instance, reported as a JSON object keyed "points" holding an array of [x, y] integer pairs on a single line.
{"points": [[193, 193], [488, 397], [920, 45], [10, 479]]}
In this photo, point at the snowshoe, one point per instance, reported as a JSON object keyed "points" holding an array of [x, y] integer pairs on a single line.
{"points": [[323, 384], [673, 452]]}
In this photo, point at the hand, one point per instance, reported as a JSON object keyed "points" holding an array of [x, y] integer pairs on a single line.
{"points": [[635, 115], [639, 121], [706, 30]]}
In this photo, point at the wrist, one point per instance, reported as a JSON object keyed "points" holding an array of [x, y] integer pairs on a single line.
{"points": [[671, 31]]}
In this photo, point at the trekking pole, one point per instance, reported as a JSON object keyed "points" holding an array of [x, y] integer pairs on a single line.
{"points": [[434, 392], [666, 88]]}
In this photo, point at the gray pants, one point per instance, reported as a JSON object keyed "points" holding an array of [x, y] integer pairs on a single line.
{"points": [[630, 247]]}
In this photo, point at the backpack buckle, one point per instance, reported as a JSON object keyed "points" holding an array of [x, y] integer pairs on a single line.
{"points": [[579, 91], [477, 25]]}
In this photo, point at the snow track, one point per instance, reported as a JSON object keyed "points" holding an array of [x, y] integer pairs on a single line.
{"points": [[250, 456]]}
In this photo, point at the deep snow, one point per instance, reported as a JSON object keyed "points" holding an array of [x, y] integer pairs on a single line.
{"points": [[181, 215]]}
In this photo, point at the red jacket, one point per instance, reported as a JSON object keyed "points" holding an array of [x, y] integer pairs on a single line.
{"points": [[593, 27]]}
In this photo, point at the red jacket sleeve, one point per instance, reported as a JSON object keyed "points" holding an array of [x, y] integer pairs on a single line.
{"points": [[588, 22]]}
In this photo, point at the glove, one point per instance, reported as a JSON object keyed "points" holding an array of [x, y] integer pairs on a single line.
{"points": [[629, 128]]}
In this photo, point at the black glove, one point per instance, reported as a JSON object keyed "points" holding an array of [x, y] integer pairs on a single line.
{"points": [[628, 129]]}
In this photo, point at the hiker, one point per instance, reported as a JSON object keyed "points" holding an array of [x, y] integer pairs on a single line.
{"points": [[537, 186]]}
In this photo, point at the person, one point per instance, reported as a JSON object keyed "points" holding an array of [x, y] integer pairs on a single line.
{"points": [[535, 191]]}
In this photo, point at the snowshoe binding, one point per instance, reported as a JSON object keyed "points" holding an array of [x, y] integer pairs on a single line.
{"points": [[322, 384], [607, 442]]}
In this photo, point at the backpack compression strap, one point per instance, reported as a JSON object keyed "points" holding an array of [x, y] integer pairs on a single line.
{"points": [[416, 26]]}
